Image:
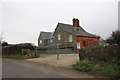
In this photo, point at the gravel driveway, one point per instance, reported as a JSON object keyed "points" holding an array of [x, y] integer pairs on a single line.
{"points": [[65, 60], [63, 65]]}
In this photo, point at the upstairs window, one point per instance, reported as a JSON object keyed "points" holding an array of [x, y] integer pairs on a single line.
{"points": [[59, 37], [40, 41], [70, 38]]}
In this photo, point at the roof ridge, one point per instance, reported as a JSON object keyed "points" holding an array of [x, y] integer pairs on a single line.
{"points": [[45, 32], [64, 24]]}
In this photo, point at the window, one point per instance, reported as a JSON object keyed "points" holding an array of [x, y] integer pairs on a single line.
{"points": [[51, 40], [40, 41], [59, 37], [70, 38]]}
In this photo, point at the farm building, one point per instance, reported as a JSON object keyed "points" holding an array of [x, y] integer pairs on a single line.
{"points": [[67, 35], [70, 35]]}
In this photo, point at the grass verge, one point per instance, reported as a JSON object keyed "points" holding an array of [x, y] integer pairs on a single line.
{"points": [[19, 57], [99, 67]]}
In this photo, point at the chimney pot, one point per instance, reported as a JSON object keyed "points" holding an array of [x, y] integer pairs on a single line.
{"points": [[75, 22], [76, 26]]}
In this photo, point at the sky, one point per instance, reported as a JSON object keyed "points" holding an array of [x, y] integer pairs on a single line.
{"points": [[22, 20], [119, 15]]}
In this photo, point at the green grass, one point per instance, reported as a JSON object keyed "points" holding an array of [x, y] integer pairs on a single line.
{"points": [[99, 67], [19, 57]]}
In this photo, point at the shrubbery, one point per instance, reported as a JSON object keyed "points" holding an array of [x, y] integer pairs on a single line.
{"points": [[26, 46], [4, 44], [114, 38]]}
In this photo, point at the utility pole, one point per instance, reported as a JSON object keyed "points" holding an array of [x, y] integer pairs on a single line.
{"points": [[35, 50], [65, 44], [57, 53], [65, 47]]}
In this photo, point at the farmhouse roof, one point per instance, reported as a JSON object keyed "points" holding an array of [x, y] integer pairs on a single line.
{"points": [[46, 35], [81, 32]]}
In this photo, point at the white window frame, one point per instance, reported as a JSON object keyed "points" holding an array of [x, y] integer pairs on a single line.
{"points": [[70, 38], [59, 37]]}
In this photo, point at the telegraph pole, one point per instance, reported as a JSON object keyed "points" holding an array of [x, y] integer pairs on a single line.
{"points": [[35, 50], [57, 53]]}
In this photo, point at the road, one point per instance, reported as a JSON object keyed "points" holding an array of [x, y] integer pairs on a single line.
{"points": [[28, 69], [16, 69]]}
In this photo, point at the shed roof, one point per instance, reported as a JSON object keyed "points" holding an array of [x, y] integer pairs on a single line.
{"points": [[81, 32]]}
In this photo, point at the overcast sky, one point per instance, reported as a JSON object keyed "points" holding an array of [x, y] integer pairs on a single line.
{"points": [[22, 20]]}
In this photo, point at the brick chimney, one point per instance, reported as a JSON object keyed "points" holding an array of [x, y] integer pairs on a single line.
{"points": [[76, 26]]}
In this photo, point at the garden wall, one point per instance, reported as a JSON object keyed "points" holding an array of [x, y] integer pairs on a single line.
{"points": [[9, 50], [101, 52], [17, 49]]}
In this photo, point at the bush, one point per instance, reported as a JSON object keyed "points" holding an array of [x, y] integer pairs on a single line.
{"points": [[4, 44], [26, 46], [114, 38]]}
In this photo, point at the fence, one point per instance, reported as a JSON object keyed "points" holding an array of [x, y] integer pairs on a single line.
{"points": [[54, 51]]}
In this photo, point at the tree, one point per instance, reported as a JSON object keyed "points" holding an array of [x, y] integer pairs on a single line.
{"points": [[114, 38], [4, 44], [26, 46]]}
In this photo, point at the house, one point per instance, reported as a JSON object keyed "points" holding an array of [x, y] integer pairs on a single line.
{"points": [[69, 35], [45, 39]]}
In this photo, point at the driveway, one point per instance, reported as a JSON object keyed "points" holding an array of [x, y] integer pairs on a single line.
{"points": [[65, 60]]}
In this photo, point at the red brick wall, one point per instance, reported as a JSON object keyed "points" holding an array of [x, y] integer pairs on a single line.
{"points": [[86, 41]]}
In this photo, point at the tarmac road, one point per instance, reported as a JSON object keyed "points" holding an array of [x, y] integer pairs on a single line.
{"points": [[30, 69], [22, 69]]}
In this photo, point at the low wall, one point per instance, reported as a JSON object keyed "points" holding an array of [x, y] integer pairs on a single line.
{"points": [[102, 52], [9, 50], [15, 49]]}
